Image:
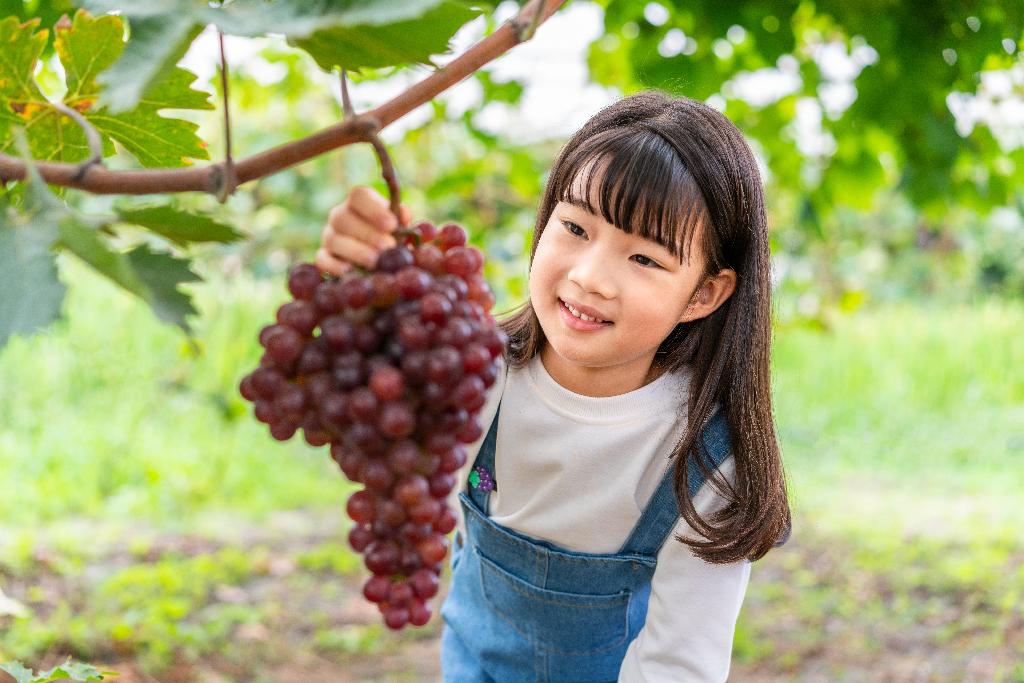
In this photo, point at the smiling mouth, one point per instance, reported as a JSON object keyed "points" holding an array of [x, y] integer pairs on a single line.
{"points": [[595, 320]]}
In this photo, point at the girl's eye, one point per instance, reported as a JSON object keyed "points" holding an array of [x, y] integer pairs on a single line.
{"points": [[647, 262], [569, 225]]}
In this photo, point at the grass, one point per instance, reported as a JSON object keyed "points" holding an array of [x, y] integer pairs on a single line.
{"points": [[902, 430]]}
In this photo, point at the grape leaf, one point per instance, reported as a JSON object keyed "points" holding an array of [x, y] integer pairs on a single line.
{"points": [[76, 671], [347, 33], [18, 670], [30, 293], [22, 46], [367, 45], [86, 46], [162, 273], [179, 227]]}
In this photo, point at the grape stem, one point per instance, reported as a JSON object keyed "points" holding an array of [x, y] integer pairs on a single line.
{"points": [[101, 180], [370, 127], [225, 180]]}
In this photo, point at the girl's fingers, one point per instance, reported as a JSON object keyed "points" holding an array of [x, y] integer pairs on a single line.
{"points": [[375, 209], [348, 223], [352, 250], [329, 263], [372, 207]]}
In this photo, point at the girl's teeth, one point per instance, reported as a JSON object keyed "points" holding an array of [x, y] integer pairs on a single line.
{"points": [[582, 316]]}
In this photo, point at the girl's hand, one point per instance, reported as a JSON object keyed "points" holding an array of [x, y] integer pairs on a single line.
{"points": [[357, 230]]}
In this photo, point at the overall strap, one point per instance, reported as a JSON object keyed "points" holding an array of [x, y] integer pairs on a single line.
{"points": [[485, 459], [662, 513]]}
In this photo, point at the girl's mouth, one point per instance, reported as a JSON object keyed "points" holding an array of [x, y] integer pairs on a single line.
{"points": [[578, 323]]}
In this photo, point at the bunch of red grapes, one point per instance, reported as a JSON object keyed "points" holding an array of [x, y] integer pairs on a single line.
{"points": [[390, 367]]}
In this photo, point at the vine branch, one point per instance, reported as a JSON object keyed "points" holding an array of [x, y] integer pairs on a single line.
{"points": [[104, 181]]}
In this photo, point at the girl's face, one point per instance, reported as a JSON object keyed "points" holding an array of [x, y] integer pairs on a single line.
{"points": [[636, 286]]}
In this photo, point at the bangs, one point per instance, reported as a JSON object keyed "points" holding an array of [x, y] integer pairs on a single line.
{"points": [[640, 185]]}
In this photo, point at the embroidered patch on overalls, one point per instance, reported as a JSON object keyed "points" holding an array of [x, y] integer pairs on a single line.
{"points": [[481, 479]]}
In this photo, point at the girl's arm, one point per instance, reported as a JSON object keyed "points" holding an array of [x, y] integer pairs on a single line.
{"points": [[692, 612]]}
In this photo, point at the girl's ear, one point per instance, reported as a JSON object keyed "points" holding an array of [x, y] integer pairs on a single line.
{"points": [[709, 295]]}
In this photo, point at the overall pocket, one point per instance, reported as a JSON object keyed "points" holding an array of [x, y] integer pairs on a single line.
{"points": [[558, 622]]}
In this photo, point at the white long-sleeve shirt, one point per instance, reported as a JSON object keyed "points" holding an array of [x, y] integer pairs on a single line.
{"points": [[578, 470]]}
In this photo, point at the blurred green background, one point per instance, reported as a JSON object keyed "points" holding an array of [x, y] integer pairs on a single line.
{"points": [[149, 523]]}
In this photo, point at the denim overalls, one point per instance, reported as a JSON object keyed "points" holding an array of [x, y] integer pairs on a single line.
{"points": [[525, 609]]}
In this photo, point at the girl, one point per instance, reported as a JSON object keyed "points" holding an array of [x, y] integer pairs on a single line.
{"points": [[630, 473]]}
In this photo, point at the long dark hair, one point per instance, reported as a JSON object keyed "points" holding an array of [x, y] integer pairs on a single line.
{"points": [[672, 163]]}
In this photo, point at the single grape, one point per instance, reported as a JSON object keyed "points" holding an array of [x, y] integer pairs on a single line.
{"points": [[396, 420], [451, 235], [367, 339], [411, 489], [301, 316], [441, 484], [444, 366], [446, 521], [382, 556], [387, 383], [459, 261], [385, 291], [426, 230], [359, 537], [430, 258], [267, 382], [338, 333], [356, 292], [403, 456], [435, 308], [425, 584], [427, 464], [469, 431], [303, 280], [453, 459], [414, 365], [362, 405], [425, 511], [419, 613], [377, 588], [376, 475], [284, 345], [360, 507], [283, 430], [433, 549], [390, 512], [329, 298], [469, 393], [312, 360], [290, 400], [396, 617], [400, 593], [413, 282], [394, 259]]}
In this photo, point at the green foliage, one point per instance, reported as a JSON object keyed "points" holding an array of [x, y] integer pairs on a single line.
{"points": [[898, 134], [337, 34], [86, 47], [75, 671]]}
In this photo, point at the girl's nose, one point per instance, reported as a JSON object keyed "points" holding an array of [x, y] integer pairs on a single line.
{"points": [[592, 275]]}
